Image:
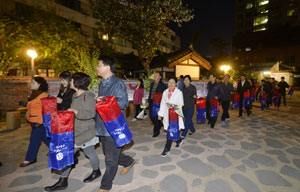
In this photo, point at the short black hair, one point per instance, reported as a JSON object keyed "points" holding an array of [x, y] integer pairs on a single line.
{"points": [[212, 75], [160, 74], [227, 76], [42, 82], [174, 78], [263, 81], [81, 80], [189, 77], [108, 61], [282, 77], [242, 75], [181, 77], [273, 78]]}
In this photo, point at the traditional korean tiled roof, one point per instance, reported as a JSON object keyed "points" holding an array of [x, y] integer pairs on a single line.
{"points": [[171, 59]]}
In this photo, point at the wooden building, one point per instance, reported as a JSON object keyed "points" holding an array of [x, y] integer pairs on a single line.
{"points": [[184, 62]]}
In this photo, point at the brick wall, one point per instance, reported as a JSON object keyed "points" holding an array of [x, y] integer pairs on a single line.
{"points": [[15, 89]]}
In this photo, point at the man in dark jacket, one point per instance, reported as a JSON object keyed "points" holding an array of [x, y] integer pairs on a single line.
{"points": [[214, 91], [156, 87], [111, 86], [243, 86], [282, 89], [227, 90]]}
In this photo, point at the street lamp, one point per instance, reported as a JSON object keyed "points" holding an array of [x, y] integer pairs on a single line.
{"points": [[32, 53], [225, 68]]}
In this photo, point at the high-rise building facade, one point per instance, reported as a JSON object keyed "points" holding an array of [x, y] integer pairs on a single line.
{"points": [[267, 31], [81, 14]]}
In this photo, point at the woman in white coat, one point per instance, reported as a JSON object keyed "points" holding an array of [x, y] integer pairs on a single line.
{"points": [[171, 98]]}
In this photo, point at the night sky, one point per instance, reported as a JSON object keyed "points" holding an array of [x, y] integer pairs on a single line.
{"points": [[213, 18]]}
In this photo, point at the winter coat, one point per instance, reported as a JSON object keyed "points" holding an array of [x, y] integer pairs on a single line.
{"points": [[34, 113], [138, 94], [84, 125]]}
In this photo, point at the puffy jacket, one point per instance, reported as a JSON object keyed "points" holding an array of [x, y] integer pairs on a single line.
{"points": [[111, 86], [34, 113]]}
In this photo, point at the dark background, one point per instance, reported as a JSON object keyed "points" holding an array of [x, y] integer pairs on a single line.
{"points": [[212, 18]]}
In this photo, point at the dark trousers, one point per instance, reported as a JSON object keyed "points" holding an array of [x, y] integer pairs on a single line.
{"points": [[113, 158], [284, 98], [211, 120], [188, 122], [157, 123], [225, 107], [269, 99], [91, 154], [241, 107], [138, 109], [38, 134], [169, 144]]}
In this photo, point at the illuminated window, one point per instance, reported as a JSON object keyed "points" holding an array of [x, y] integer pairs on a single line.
{"points": [[291, 12], [263, 10], [105, 37], [260, 20], [248, 49], [263, 2], [262, 28], [118, 41], [249, 5]]}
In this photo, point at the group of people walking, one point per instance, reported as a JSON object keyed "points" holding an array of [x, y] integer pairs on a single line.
{"points": [[185, 96], [75, 96], [89, 128]]}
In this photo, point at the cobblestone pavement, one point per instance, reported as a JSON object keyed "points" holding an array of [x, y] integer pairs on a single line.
{"points": [[252, 154]]}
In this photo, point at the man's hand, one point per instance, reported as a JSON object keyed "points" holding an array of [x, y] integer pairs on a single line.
{"points": [[169, 105], [159, 118], [73, 110], [99, 98], [216, 97]]}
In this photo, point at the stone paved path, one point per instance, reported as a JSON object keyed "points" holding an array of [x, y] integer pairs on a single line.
{"points": [[260, 153]]}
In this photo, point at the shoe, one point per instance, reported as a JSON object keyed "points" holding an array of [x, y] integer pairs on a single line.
{"points": [[26, 163], [102, 190], [126, 169], [164, 153], [191, 133], [223, 123], [208, 122], [182, 137], [249, 113], [227, 119], [134, 119], [94, 175], [145, 117], [178, 145], [61, 184], [155, 135], [240, 116]]}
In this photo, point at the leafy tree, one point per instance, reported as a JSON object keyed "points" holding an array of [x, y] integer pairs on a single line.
{"points": [[58, 42], [141, 22]]}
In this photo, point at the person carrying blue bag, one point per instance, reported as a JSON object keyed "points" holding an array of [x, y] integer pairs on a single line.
{"points": [[111, 86], [171, 113]]}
